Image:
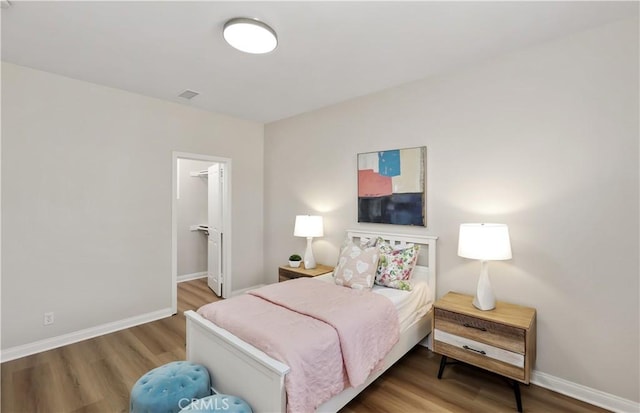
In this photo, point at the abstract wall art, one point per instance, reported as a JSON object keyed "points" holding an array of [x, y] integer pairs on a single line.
{"points": [[392, 187]]}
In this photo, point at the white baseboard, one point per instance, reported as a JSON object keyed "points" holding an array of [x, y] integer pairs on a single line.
{"points": [[189, 277], [13, 353], [427, 342], [244, 290], [584, 393]]}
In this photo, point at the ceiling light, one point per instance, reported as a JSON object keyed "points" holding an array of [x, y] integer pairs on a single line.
{"points": [[250, 35]]}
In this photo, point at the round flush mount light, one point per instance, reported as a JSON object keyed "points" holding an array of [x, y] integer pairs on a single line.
{"points": [[250, 35]]}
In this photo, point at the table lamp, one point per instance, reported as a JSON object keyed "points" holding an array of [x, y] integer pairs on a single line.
{"points": [[484, 242], [308, 226]]}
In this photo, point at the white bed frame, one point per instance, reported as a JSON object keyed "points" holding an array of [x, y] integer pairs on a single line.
{"points": [[240, 369]]}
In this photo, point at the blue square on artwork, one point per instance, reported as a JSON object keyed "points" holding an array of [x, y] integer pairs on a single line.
{"points": [[389, 163], [406, 209]]}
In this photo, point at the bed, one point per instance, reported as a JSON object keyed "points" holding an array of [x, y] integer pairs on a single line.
{"points": [[241, 369]]}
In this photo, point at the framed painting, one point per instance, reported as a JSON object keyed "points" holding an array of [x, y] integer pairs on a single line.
{"points": [[392, 187]]}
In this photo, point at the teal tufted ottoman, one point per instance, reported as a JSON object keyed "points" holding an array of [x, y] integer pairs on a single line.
{"points": [[169, 388], [218, 403]]}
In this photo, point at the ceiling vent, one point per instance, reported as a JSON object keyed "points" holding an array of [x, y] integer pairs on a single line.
{"points": [[188, 94]]}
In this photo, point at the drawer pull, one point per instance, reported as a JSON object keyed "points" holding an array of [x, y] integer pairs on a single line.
{"points": [[472, 326], [473, 349]]}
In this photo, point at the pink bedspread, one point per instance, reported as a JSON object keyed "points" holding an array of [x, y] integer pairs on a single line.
{"points": [[330, 336], [367, 324]]}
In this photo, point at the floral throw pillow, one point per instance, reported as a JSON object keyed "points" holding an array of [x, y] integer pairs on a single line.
{"points": [[356, 267], [396, 265]]}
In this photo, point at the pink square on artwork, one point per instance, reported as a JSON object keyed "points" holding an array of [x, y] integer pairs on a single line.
{"points": [[372, 184]]}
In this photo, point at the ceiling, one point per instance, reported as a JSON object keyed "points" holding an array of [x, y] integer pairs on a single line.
{"points": [[328, 52]]}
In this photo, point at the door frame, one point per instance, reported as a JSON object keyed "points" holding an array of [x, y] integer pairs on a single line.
{"points": [[226, 222]]}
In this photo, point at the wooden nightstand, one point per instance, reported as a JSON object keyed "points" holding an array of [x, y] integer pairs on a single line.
{"points": [[502, 340], [287, 273]]}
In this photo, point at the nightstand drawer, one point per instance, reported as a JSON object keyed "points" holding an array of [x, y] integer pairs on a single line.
{"points": [[494, 334], [480, 360], [482, 349]]}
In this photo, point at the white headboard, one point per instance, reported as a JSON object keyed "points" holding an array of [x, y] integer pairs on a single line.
{"points": [[426, 259]]}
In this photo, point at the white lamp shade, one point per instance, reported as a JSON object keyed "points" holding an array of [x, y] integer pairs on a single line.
{"points": [[484, 242], [250, 35], [308, 226]]}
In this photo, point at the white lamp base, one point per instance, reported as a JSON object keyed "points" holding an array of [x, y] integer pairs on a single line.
{"points": [[484, 299], [309, 261]]}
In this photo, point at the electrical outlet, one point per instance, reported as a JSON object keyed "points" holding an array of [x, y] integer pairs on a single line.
{"points": [[48, 319]]}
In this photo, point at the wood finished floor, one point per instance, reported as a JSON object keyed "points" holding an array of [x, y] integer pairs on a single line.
{"points": [[96, 375]]}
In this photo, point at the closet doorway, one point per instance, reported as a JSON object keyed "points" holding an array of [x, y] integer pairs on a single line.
{"points": [[201, 221]]}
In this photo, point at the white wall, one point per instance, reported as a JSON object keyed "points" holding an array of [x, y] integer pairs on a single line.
{"points": [[544, 140], [86, 200], [192, 210]]}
